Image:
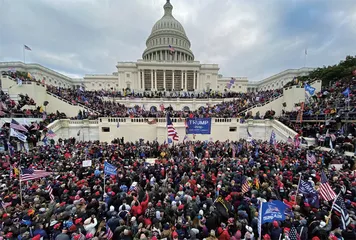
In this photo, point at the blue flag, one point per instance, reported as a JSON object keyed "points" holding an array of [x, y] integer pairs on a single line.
{"points": [[310, 194], [274, 210], [346, 92], [309, 89], [109, 169]]}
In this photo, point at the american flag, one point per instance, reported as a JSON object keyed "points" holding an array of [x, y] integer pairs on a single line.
{"points": [[311, 158], [50, 134], [17, 126], [171, 130], [4, 205], [325, 190], [171, 49], [50, 192], [109, 233], [30, 174], [339, 206], [293, 234], [27, 47], [246, 187]]}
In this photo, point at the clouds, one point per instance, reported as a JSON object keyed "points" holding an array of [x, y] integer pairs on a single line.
{"points": [[246, 38]]}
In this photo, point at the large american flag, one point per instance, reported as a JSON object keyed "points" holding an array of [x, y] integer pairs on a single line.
{"points": [[109, 233], [171, 130], [340, 206], [50, 192], [325, 190], [17, 126], [30, 174]]}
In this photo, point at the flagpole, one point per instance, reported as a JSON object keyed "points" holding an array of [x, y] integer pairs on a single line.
{"points": [[332, 206], [20, 185], [296, 194], [305, 57], [24, 54]]}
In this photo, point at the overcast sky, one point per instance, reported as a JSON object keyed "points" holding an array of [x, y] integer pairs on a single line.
{"points": [[254, 39]]}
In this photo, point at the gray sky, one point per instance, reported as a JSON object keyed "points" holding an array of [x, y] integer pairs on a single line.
{"points": [[254, 39]]}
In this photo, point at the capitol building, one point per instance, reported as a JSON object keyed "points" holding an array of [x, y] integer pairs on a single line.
{"points": [[168, 64]]}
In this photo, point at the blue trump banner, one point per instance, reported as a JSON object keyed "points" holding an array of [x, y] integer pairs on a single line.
{"points": [[270, 211], [109, 169], [198, 125], [309, 193]]}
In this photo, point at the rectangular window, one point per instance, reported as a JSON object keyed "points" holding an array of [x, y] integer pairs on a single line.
{"points": [[232, 129], [105, 129]]}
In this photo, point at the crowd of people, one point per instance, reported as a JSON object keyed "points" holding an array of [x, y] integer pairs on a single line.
{"points": [[94, 100], [333, 101], [102, 102], [34, 132], [10, 108], [192, 190], [326, 116]]}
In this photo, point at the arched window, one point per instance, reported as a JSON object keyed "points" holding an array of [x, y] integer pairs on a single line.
{"points": [[153, 109], [186, 109]]}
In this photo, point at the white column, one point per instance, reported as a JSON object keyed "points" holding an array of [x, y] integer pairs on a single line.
{"points": [[186, 81], [172, 79], [143, 79], [164, 80], [194, 72], [182, 87], [198, 86], [139, 79], [165, 53], [151, 80], [155, 80]]}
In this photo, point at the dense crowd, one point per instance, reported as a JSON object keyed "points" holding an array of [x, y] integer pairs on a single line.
{"points": [[11, 108], [324, 116], [331, 101], [33, 131], [193, 190], [94, 100], [102, 102]]}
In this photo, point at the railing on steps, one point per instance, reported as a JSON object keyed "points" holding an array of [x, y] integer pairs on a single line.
{"points": [[260, 104], [73, 104]]}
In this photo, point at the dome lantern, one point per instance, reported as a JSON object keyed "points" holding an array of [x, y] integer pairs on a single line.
{"points": [[168, 8]]}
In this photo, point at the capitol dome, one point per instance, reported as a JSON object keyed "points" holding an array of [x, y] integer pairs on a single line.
{"points": [[168, 40]]}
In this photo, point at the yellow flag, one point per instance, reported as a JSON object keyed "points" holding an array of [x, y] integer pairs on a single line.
{"points": [[29, 75], [41, 109], [16, 171]]}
